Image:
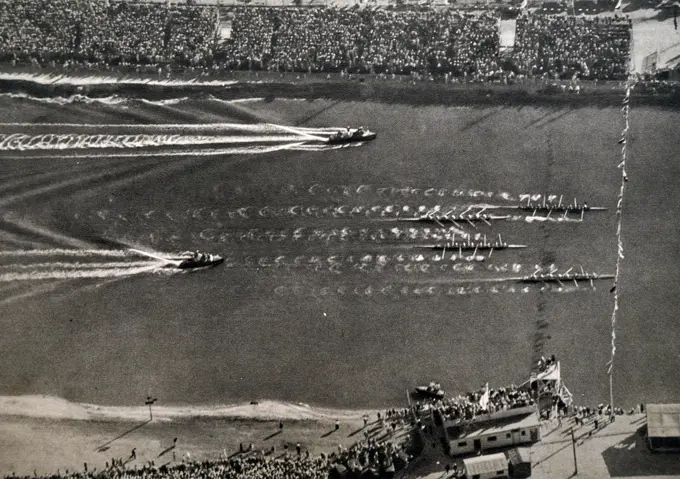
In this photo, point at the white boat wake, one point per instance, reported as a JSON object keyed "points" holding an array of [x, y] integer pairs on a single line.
{"points": [[50, 273], [23, 142], [210, 139]]}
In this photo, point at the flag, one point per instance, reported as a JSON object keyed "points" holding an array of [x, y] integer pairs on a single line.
{"points": [[622, 141], [484, 400], [626, 100]]}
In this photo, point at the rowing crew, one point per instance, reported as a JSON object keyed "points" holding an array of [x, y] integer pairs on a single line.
{"points": [[574, 207], [466, 216], [468, 244], [547, 277]]}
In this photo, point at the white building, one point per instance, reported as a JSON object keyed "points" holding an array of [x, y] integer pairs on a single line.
{"points": [[493, 434], [486, 467]]}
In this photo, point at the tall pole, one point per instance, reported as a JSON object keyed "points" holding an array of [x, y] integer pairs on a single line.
{"points": [[611, 390], [149, 401], [573, 446]]}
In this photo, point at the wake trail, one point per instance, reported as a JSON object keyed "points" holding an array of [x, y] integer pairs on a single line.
{"points": [[23, 142], [17, 240], [414, 290], [83, 180], [157, 169], [301, 132], [260, 128], [27, 228], [75, 253], [37, 180], [63, 79], [35, 291], [254, 150], [78, 273], [79, 266]]}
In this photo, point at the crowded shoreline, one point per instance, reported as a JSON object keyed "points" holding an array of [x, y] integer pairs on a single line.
{"points": [[248, 440]]}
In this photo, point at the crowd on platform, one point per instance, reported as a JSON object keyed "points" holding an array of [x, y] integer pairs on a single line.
{"points": [[424, 41], [364, 41], [485, 401], [488, 401], [565, 46], [106, 33]]}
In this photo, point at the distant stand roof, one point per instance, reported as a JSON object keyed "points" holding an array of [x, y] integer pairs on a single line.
{"points": [[663, 420]]}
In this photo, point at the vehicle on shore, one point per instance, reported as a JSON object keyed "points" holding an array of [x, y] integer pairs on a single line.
{"points": [[431, 391], [351, 135]]}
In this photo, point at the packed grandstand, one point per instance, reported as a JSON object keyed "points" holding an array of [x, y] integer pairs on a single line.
{"points": [[423, 40]]}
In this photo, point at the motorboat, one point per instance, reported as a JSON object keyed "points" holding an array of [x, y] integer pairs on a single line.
{"points": [[432, 391], [351, 135]]}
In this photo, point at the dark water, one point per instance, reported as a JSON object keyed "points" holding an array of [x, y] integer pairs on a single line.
{"points": [[322, 298]]}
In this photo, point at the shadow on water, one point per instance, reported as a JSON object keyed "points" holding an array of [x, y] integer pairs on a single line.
{"points": [[316, 113]]}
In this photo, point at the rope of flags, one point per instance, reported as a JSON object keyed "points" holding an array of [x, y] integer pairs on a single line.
{"points": [[623, 141]]}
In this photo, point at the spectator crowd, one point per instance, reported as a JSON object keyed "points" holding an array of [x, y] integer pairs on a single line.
{"points": [[563, 46], [384, 450], [485, 401], [424, 41], [363, 40], [105, 33]]}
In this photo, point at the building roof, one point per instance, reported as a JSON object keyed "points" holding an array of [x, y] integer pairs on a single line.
{"points": [[501, 426], [519, 455], [663, 420], [485, 464]]}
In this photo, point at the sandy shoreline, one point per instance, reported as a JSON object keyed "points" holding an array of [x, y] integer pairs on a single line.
{"points": [[51, 407]]}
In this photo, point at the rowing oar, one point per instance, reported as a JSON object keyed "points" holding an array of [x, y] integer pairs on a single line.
{"points": [[468, 247], [547, 207]]}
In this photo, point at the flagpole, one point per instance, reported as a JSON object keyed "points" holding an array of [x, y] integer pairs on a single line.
{"points": [[611, 388], [619, 252]]}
